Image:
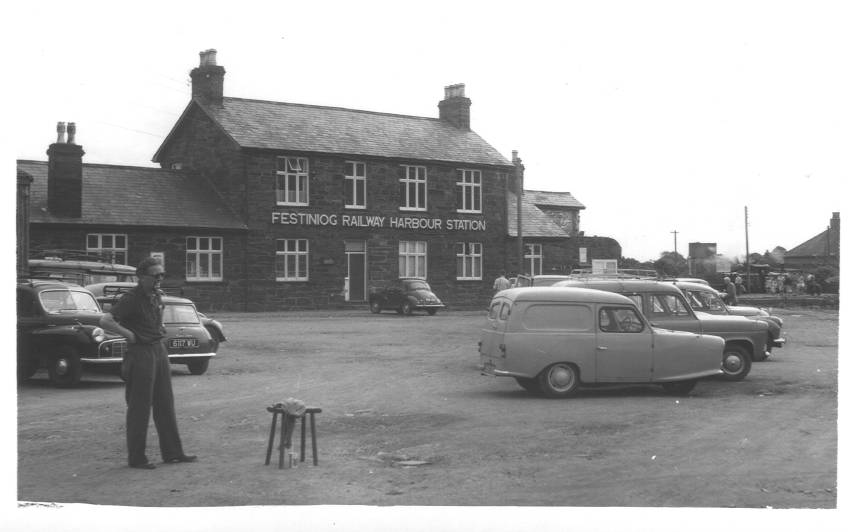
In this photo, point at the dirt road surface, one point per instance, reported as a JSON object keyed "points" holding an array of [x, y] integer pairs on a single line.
{"points": [[409, 420]]}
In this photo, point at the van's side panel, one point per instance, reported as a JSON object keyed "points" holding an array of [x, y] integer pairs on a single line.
{"points": [[542, 333]]}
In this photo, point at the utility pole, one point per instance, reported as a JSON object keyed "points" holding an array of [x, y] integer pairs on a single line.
{"points": [[675, 243], [747, 245]]}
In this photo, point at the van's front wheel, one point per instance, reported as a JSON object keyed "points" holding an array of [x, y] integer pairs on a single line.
{"points": [[558, 380]]}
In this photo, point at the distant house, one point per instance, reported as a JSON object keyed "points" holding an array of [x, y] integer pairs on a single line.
{"points": [[822, 249]]}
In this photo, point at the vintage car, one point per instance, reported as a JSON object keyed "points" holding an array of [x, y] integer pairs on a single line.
{"points": [[58, 329], [555, 340], [73, 269], [704, 298], [404, 296], [191, 337], [665, 306]]}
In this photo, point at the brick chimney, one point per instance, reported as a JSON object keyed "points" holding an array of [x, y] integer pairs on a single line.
{"points": [[454, 109], [65, 174], [208, 79], [835, 222]]}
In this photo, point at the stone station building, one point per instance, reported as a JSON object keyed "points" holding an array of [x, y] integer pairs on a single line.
{"points": [[262, 205]]}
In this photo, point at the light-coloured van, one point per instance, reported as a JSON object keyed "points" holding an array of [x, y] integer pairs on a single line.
{"points": [[553, 340]]}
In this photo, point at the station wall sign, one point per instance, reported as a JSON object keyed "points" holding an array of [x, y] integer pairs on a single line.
{"points": [[378, 222]]}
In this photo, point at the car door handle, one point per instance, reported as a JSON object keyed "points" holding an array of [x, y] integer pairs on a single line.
{"points": [[601, 348]]}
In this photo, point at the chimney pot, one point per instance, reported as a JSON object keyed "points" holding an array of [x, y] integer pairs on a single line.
{"points": [[455, 91], [60, 133], [208, 57], [72, 132]]}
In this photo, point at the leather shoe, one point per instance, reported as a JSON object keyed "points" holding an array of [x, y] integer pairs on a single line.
{"points": [[143, 465], [182, 458]]}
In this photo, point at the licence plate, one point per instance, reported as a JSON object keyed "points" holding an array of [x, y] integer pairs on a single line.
{"points": [[183, 343]]}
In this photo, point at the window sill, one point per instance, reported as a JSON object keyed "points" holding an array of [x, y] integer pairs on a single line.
{"points": [[204, 280], [358, 207], [280, 204], [469, 212], [290, 280], [413, 209]]}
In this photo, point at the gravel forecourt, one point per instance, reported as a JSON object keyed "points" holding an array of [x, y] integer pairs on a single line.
{"points": [[408, 420]]}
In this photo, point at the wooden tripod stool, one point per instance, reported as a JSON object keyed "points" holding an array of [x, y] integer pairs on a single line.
{"points": [[286, 436]]}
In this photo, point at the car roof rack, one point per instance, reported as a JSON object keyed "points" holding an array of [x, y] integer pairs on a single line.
{"points": [[625, 273]]}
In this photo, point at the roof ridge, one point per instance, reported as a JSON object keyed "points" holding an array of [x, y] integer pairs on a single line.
{"points": [[107, 165], [332, 107]]}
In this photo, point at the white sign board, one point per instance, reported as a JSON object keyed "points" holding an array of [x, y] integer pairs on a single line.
{"points": [[604, 266]]}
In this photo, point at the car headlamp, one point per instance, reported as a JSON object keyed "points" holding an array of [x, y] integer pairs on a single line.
{"points": [[98, 335]]}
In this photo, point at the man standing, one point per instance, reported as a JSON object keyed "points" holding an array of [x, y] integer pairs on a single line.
{"points": [[731, 294], [501, 283], [138, 317]]}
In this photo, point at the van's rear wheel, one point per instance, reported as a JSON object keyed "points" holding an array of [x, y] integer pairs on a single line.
{"points": [[529, 385], [736, 363], [558, 380]]}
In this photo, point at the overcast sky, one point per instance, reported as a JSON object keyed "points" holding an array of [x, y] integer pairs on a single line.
{"points": [[657, 116]]}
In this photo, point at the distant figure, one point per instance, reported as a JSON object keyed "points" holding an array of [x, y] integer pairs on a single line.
{"points": [[731, 294], [501, 283], [788, 284], [739, 286]]}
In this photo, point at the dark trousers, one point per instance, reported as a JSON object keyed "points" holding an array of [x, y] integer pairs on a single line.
{"points": [[147, 373]]}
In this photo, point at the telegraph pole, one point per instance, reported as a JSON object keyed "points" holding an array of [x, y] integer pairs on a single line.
{"points": [[747, 245], [675, 244]]}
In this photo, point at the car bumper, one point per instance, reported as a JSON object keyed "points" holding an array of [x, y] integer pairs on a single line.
{"points": [[490, 370], [777, 342], [105, 361], [429, 305]]}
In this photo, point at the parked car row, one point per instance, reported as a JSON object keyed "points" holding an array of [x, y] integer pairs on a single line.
{"points": [[58, 329], [599, 330]]}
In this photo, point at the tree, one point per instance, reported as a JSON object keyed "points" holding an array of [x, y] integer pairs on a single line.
{"points": [[671, 264]]}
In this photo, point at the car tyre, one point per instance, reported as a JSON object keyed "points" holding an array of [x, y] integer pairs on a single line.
{"points": [[529, 385], [736, 363], [679, 387], [198, 366], [558, 380], [431, 311], [65, 368], [406, 308], [375, 306]]}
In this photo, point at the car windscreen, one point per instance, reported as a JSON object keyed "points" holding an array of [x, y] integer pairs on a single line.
{"points": [[180, 313], [707, 301], [57, 301]]}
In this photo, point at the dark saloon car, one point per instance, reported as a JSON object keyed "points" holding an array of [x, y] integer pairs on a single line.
{"points": [[191, 337], [404, 296], [58, 329]]}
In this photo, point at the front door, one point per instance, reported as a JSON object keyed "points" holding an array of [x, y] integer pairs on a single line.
{"points": [[355, 254], [623, 346]]}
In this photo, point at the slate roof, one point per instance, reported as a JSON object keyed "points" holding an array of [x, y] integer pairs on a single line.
{"points": [[310, 128], [135, 196], [535, 223], [552, 199], [817, 246]]}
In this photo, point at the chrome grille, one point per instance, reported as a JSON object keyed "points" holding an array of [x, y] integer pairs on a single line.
{"points": [[112, 349]]}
